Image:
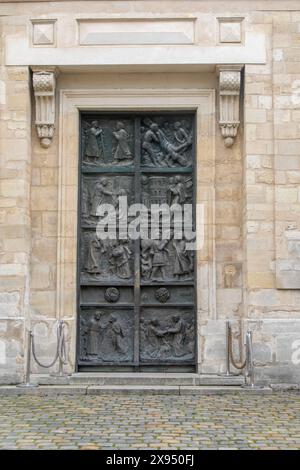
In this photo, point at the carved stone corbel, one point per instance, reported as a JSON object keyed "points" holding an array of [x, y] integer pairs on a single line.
{"points": [[229, 102], [43, 82]]}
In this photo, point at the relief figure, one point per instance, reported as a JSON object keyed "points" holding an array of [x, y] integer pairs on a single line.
{"points": [[94, 250], [119, 260], [154, 258], [94, 335], [178, 334], [94, 142], [101, 195], [114, 338], [172, 152], [155, 337], [165, 145], [122, 151], [183, 264], [167, 130], [116, 335], [149, 138], [177, 193], [181, 136]]}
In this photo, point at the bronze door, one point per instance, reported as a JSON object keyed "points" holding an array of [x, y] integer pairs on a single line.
{"points": [[136, 297]]}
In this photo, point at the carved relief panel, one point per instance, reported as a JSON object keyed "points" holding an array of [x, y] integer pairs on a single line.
{"points": [[124, 283], [171, 189], [167, 141], [166, 260], [103, 189], [106, 335], [167, 335], [109, 260], [107, 141]]}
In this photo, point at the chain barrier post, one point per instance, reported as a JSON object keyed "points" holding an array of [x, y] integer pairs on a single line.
{"points": [[27, 383], [61, 352], [249, 372], [228, 332], [248, 365]]}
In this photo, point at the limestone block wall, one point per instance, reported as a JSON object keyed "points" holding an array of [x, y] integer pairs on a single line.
{"points": [[44, 230], [15, 217], [271, 198]]}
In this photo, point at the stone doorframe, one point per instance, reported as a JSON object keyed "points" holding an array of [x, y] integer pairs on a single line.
{"points": [[202, 101]]}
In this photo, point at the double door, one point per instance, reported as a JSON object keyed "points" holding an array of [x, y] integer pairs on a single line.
{"points": [[136, 295]]}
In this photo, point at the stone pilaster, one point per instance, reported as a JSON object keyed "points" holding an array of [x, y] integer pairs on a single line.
{"points": [[15, 220]]}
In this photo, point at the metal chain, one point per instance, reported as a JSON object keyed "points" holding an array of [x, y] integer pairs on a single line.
{"points": [[237, 366], [60, 348]]}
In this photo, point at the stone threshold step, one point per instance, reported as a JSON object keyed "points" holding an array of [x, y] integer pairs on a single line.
{"points": [[53, 390], [160, 379]]}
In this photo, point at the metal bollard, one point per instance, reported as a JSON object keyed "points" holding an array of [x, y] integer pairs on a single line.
{"points": [[250, 366], [249, 373], [27, 383], [227, 349]]}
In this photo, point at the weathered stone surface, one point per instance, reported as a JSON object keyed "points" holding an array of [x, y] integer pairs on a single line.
{"points": [[262, 352]]}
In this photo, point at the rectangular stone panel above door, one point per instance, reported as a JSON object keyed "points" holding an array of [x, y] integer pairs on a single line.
{"points": [[135, 39], [136, 31]]}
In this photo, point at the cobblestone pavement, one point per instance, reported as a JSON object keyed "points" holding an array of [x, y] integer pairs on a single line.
{"points": [[151, 422]]}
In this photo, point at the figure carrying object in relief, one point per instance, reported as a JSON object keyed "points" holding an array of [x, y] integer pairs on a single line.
{"points": [[173, 154], [146, 265], [181, 136]]}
